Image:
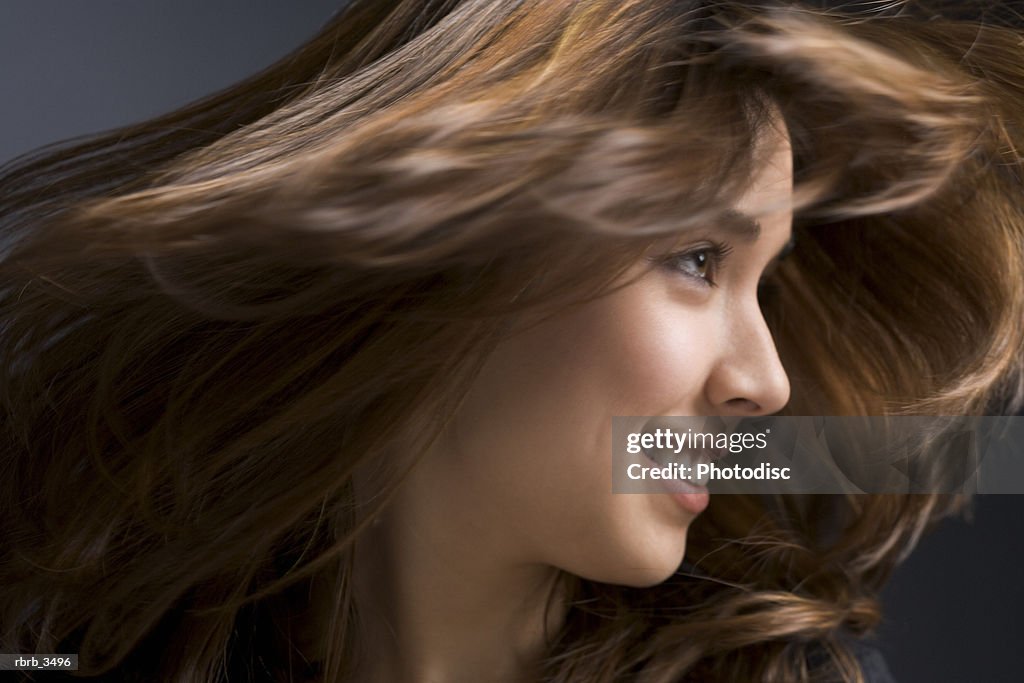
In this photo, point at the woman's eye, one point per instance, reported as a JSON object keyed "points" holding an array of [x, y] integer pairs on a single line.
{"points": [[702, 263], [697, 263]]}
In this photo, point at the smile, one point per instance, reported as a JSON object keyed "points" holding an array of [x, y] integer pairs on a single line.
{"points": [[685, 461]]}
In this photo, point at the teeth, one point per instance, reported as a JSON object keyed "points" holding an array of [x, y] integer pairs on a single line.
{"points": [[700, 480], [686, 457]]}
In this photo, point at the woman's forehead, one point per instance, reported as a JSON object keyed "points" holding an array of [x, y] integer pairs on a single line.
{"points": [[771, 187]]}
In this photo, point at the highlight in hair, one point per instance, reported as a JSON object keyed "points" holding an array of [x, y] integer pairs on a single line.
{"points": [[211, 320]]}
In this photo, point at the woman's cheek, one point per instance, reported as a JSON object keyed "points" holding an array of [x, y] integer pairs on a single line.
{"points": [[663, 354]]}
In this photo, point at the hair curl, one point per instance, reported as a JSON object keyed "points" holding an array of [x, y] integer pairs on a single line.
{"points": [[192, 309]]}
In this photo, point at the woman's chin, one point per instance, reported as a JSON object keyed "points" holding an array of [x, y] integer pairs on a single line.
{"points": [[642, 567]]}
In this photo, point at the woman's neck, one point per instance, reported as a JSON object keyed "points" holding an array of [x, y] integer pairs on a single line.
{"points": [[439, 607], [441, 597]]}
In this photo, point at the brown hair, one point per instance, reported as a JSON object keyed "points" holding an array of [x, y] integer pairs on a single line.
{"points": [[210, 320]]}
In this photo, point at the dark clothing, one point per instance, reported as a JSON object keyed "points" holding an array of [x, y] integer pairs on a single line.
{"points": [[873, 665]]}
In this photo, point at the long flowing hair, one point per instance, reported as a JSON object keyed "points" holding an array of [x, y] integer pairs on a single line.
{"points": [[211, 320]]}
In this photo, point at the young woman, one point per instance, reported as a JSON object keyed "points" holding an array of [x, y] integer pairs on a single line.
{"points": [[314, 379]]}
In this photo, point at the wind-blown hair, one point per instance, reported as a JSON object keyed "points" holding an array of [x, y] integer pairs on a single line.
{"points": [[211, 320]]}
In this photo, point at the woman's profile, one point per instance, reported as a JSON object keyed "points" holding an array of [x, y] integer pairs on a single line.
{"points": [[313, 380]]}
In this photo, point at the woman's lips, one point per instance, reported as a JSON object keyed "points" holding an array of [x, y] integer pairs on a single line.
{"points": [[694, 503], [689, 458], [691, 494]]}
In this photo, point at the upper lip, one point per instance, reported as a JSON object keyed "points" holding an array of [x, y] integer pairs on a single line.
{"points": [[694, 455]]}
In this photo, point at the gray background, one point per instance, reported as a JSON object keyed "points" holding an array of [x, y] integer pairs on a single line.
{"points": [[73, 67], [69, 67]]}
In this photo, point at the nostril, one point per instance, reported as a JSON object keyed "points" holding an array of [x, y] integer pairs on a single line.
{"points": [[743, 404]]}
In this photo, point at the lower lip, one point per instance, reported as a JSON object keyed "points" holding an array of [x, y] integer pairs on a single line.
{"points": [[695, 502], [692, 498]]}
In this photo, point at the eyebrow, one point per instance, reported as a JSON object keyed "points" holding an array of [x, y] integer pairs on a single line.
{"points": [[742, 225], [748, 228]]}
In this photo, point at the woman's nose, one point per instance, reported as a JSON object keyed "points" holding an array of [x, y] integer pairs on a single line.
{"points": [[747, 377]]}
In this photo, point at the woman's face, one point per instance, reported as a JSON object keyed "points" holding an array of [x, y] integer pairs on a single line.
{"points": [[526, 464]]}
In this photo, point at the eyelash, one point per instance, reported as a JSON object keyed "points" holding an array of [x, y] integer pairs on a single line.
{"points": [[715, 255]]}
